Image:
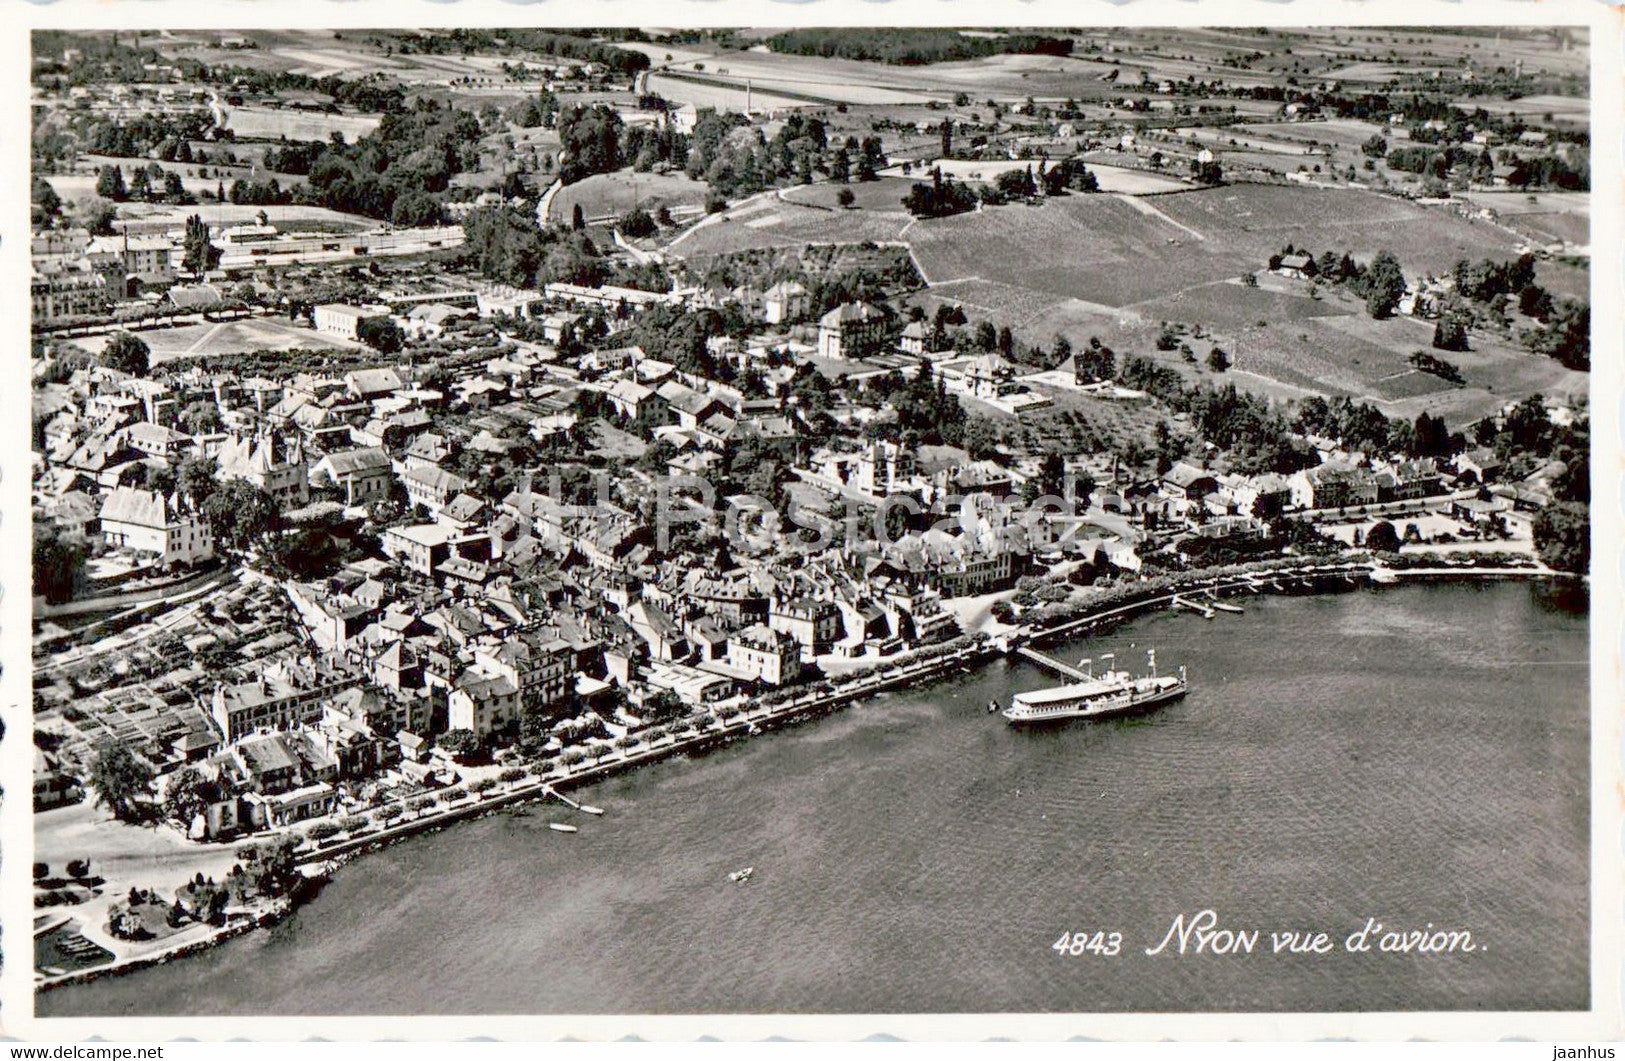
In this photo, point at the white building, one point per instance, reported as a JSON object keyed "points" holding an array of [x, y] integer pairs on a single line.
{"points": [[770, 656], [147, 522], [341, 321]]}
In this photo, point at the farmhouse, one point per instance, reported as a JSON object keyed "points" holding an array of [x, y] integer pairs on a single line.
{"points": [[1296, 266], [1189, 482]]}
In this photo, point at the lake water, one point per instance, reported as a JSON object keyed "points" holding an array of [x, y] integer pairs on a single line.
{"points": [[1417, 755]]}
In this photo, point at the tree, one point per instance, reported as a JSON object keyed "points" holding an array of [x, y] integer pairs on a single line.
{"points": [[1059, 350], [1217, 359], [1050, 480], [1566, 336], [460, 742], [578, 220], [981, 437], [381, 333], [1430, 437], [110, 184], [46, 203], [1562, 533], [241, 515], [272, 867], [197, 480], [1449, 333], [57, 563], [841, 167], [183, 798], [1535, 301], [201, 417], [199, 255], [121, 780], [637, 224], [99, 219], [1382, 538], [845, 198], [940, 198], [127, 353], [1384, 283]]}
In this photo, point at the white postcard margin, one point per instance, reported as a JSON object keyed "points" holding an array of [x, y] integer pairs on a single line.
{"points": [[1602, 1021]]}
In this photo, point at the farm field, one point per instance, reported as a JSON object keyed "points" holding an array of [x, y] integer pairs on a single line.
{"points": [[230, 337], [1561, 278], [727, 95], [1095, 265], [1238, 161], [78, 187], [1369, 360], [767, 221], [1552, 228], [1256, 220], [1135, 181], [323, 53], [1228, 305], [1011, 305], [612, 194], [1102, 422], [1234, 139], [1573, 109], [885, 194], [1340, 132], [1509, 203], [1098, 248], [253, 123]]}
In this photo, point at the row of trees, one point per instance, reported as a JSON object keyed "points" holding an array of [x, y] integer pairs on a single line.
{"points": [[913, 46], [151, 184]]}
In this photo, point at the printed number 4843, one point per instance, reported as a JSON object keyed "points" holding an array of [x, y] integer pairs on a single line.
{"points": [[1075, 944]]}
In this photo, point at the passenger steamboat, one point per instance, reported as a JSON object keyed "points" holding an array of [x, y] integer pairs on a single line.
{"points": [[1113, 692]]}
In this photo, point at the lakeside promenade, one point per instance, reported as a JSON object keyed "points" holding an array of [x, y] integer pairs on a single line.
{"points": [[551, 777]]}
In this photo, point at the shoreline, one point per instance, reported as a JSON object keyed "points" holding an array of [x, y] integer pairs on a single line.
{"points": [[318, 864]]}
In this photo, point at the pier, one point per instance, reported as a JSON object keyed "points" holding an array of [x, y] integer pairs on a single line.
{"points": [[568, 802], [1201, 609], [1050, 663]]}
